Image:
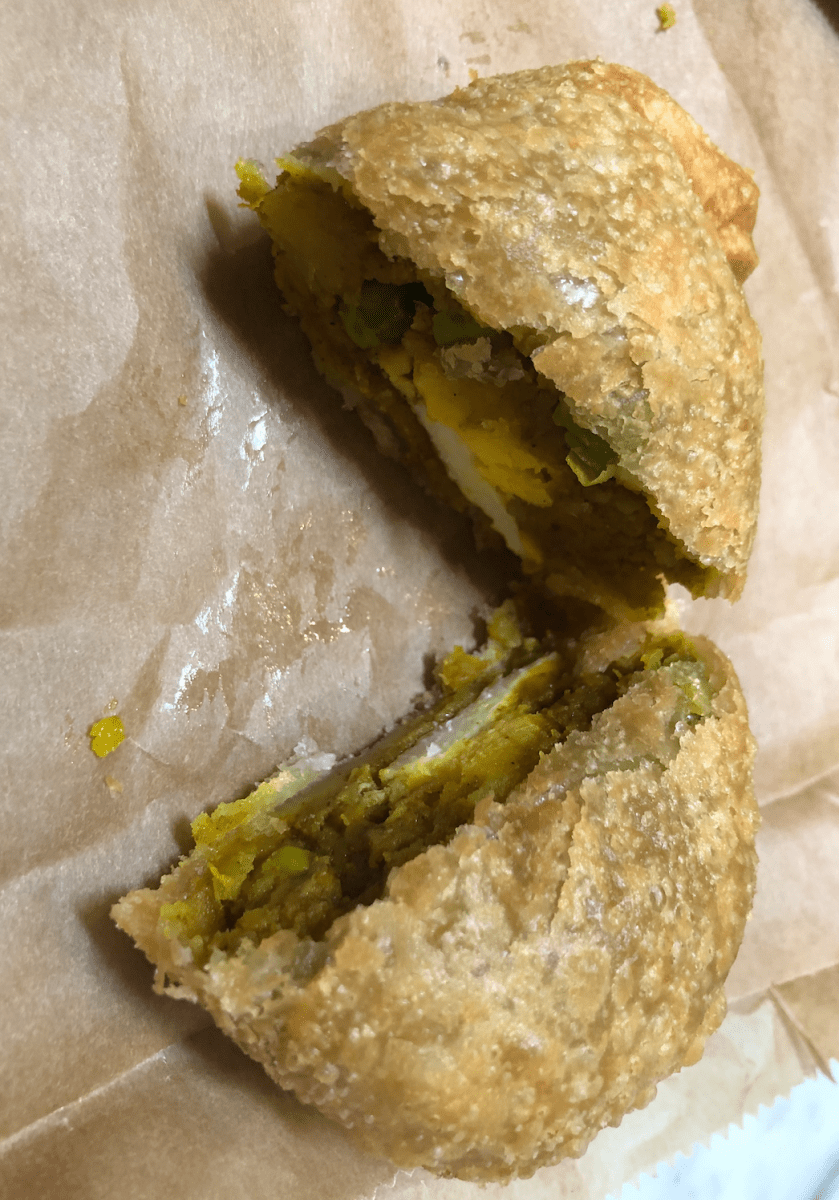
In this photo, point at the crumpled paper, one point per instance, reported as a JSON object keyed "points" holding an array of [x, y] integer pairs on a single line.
{"points": [[196, 537]]}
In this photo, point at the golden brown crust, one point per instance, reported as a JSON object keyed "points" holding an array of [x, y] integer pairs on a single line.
{"points": [[581, 204], [727, 192], [533, 980]]}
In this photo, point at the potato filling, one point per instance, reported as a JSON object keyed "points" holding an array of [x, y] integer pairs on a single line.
{"points": [[300, 864], [462, 403]]}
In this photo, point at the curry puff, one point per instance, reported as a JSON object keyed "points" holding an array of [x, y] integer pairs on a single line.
{"points": [[493, 933], [531, 292]]}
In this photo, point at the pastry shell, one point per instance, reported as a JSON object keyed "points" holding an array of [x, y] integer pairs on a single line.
{"points": [[582, 209], [530, 982]]}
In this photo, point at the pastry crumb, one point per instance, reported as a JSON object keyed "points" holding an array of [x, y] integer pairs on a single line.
{"points": [[106, 735]]}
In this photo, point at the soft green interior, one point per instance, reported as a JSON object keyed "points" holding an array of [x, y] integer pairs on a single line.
{"points": [[419, 362], [301, 864]]}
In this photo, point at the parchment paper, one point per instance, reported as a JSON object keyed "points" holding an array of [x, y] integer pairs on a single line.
{"points": [[197, 537]]}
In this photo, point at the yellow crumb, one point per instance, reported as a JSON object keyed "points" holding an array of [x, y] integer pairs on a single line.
{"points": [[666, 14], [106, 735], [252, 184], [182, 400]]}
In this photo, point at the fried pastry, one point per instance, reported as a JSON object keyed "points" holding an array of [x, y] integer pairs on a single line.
{"points": [[531, 292], [492, 935], [495, 932]]}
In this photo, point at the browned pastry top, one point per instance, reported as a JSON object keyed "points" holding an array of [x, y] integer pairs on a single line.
{"points": [[581, 208]]}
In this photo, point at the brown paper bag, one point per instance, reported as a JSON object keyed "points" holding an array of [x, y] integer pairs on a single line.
{"points": [[195, 536]]}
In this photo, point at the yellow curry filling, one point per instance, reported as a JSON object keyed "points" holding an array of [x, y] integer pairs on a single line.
{"points": [[461, 403], [279, 860]]}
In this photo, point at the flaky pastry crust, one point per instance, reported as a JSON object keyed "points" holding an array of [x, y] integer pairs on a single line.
{"points": [[727, 192], [580, 206], [530, 982]]}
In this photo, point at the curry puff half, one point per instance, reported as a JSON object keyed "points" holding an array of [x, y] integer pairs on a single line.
{"points": [[492, 934], [530, 290]]}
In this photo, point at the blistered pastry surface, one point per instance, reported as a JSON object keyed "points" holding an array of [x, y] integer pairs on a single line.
{"points": [[550, 201], [727, 192]]}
